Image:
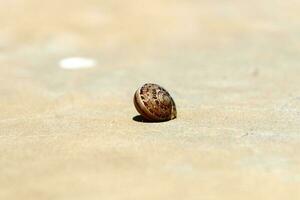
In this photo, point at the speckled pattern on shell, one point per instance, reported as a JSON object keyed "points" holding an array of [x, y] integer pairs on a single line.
{"points": [[154, 103]]}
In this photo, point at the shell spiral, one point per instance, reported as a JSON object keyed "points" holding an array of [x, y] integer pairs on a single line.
{"points": [[154, 103]]}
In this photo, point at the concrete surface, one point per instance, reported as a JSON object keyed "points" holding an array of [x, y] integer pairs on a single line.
{"points": [[68, 132]]}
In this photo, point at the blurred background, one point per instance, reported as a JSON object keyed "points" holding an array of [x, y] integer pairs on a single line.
{"points": [[145, 37]]}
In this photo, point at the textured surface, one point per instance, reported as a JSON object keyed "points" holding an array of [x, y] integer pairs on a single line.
{"points": [[231, 66]]}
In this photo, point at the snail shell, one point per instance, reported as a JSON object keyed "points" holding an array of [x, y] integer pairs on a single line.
{"points": [[154, 103]]}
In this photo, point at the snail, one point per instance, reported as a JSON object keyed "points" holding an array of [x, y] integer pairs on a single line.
{"points": [[154, 103]]}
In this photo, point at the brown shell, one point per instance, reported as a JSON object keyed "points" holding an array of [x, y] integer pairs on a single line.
{"points": [[154, 103]]}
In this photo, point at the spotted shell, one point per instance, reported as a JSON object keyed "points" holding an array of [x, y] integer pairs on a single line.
{"points": [[154, 103]]}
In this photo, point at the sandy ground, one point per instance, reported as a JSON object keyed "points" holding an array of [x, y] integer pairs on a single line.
{"points": [[231, 66]]}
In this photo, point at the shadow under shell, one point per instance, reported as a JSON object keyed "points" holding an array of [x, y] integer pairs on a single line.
{"points": [[140, 118]]}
